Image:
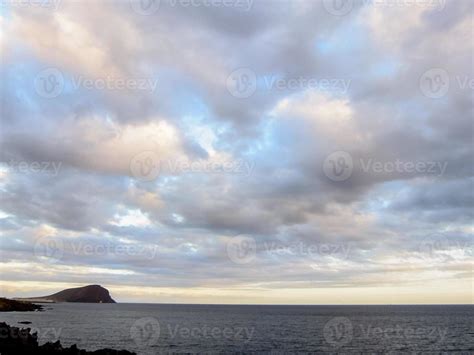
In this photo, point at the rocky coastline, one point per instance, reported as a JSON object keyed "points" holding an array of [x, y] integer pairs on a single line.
{"points": [[8, 305], [20, 341]]}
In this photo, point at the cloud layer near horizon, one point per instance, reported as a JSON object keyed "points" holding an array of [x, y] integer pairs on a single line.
{"points": [[190, 147]]}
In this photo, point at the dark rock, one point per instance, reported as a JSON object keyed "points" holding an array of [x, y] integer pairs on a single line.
{"points": [[7, 305], [25, 322], [16, 341]]}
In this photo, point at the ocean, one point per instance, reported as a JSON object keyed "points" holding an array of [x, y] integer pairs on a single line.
{"points": [[172, 328]]}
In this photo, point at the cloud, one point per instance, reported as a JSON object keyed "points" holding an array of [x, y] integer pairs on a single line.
{"points": [[143, 166]]}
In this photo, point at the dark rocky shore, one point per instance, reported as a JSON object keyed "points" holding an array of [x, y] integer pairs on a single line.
{"points": [[7, 305], [16, 341], [20, 341]]}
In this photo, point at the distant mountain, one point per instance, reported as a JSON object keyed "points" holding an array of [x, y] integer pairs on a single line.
{"points": [[86, 294]]}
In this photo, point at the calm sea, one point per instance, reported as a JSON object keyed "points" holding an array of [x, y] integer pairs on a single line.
{"points": [[164, 328]]}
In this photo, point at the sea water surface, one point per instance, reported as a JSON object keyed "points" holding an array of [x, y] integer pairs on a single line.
{"points": [[173, 328]]}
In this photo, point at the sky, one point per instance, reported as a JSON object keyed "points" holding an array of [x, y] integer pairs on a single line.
{"points": [[238, 151]]}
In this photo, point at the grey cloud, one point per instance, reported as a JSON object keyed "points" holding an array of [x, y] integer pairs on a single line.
{"points": [[287, 198]]}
